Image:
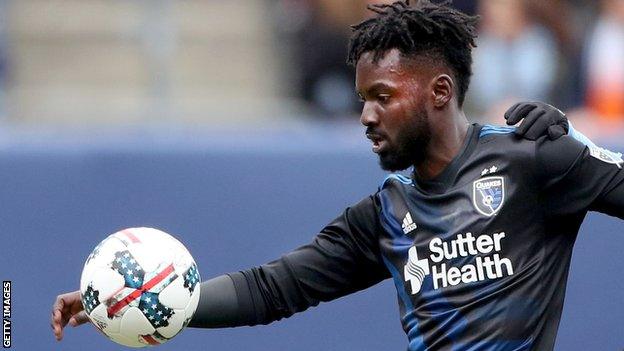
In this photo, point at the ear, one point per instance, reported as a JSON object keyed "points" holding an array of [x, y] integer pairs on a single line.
{"points": [[443, 89]]}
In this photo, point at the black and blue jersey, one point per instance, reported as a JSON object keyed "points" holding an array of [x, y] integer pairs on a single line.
{"points": [[479, 255]]}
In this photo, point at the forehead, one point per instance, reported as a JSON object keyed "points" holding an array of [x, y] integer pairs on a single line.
{"points": [[392, 68], [390, 64]]}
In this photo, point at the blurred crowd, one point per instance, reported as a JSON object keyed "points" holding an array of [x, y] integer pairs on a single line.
{"points": [[566, 52], [216, 57], [4, 56]]}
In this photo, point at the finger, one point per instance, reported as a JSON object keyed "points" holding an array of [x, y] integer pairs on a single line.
{"points": [[538, 125], [556, 131], [511, 110], [564, 123], [78, 319], [64, 314], [58, 330], [520, 113], [59, 303], [55, 319], [528, 119]]}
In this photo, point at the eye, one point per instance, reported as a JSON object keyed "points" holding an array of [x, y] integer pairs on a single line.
{"points": [[383, 98], [361, 98]]}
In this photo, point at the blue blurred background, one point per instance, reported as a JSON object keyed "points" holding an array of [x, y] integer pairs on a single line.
{"points": [[233, 125]]}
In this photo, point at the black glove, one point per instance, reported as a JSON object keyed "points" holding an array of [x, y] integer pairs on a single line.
{"points": [[538, 119]]}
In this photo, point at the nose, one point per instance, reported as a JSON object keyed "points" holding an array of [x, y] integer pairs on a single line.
{"points": [[369, 116]]}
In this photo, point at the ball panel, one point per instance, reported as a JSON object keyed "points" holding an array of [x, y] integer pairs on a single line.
{"points": [[144, 254], [126, 341], [182, 262], [189, 310], [145, 234], [99, 318], [105, 280], [134, 323], [175, 295], [176, 324]]}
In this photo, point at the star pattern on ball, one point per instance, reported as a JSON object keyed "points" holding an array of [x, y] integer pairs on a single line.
{"points": [[90, 299], [127, 266], [191, 278], [96, 251], [157, 313]]}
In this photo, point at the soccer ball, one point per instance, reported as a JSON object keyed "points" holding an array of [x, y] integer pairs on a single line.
{"points": [[140, 287]]}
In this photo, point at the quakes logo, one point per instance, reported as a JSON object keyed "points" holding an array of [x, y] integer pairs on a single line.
{"points": [[488, 195]]}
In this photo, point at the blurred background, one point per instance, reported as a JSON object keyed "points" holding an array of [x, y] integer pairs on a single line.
{"points": [[78, 62], [234, 125]]}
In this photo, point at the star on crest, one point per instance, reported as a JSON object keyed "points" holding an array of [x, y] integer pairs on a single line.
{"points": [[489, 170]]}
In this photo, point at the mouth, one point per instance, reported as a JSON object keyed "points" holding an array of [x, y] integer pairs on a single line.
{"points": [[377, 140]]}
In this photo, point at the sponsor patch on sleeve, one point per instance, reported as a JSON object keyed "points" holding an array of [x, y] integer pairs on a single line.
{"points": [[607, 156]]}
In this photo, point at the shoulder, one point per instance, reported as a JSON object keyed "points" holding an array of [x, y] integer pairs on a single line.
{"points": [[488, 129], [393, 193], [498, 142], [556, 157], [493, 138], [503, 137], [395, 179]]}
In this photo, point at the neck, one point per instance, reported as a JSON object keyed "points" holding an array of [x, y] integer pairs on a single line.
{"points": [[447, 137]]}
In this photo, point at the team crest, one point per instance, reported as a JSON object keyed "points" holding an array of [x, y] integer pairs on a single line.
{"points": [[488, 195]]}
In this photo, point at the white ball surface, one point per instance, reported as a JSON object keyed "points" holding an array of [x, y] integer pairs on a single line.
{"points": [[140, 287]]}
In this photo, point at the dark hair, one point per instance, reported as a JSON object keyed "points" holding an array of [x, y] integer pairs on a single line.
{"points": [[431, 30]]}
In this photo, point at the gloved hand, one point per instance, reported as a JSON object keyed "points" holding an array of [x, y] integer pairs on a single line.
{"points": [[538, 119]]}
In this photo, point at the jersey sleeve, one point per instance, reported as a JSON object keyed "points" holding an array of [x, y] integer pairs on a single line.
{"points": [[343, 258], [576, 177]]}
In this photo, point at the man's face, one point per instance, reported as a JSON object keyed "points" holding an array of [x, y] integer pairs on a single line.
{"points": [[393, 91]]}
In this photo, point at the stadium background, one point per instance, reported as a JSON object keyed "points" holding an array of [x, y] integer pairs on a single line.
{"points": [[233, 125]]}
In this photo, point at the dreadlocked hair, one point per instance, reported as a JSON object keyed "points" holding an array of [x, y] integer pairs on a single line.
{"points": [[431, 30]]}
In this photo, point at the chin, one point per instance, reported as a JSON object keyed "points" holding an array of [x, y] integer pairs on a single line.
{"points": [[393, 164]]}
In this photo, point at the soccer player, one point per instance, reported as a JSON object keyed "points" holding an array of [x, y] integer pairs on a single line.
{"points": [[478, 239]]}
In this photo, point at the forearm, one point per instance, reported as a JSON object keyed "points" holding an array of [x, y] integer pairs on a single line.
{"points": [[613, 202], [242, 298], [219, 305], [259, 295]]}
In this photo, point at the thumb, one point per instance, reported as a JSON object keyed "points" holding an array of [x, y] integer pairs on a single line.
{"points": [[78, 319]]}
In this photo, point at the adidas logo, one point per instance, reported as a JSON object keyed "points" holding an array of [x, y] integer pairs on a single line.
{"points": [[408, 224]]}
